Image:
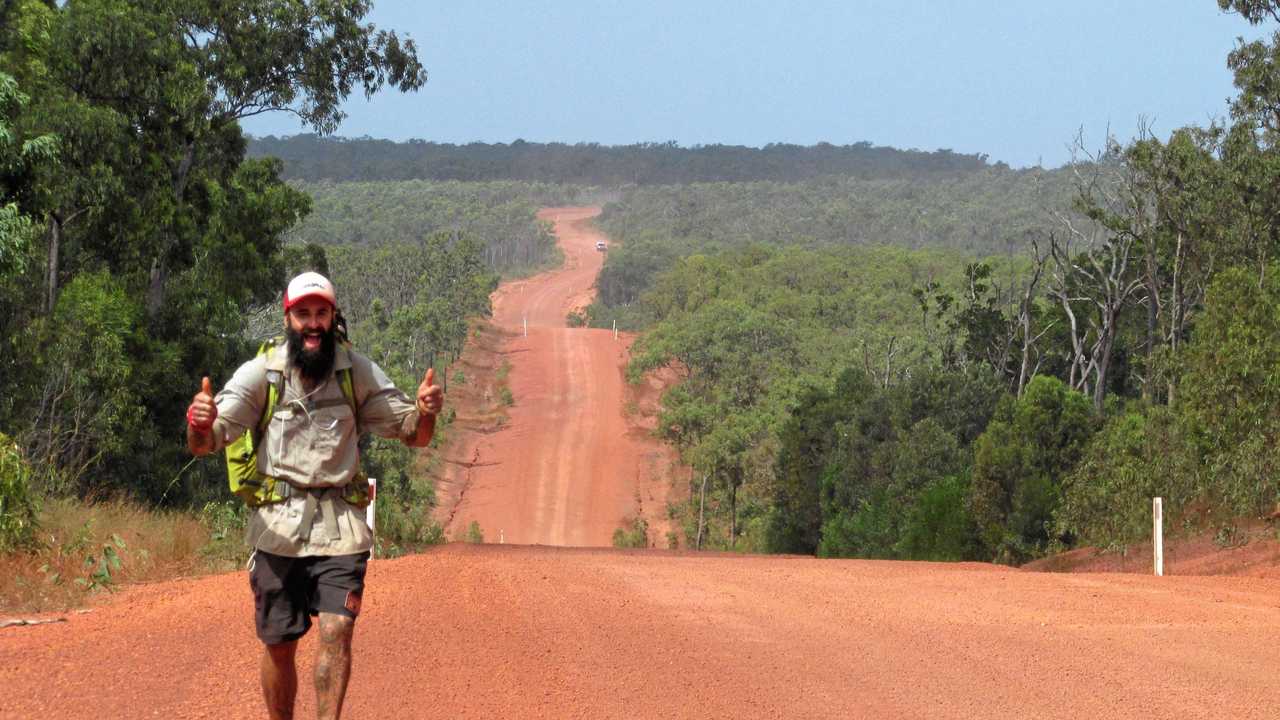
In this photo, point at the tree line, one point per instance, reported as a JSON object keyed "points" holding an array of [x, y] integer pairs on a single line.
{"points": [[312, 157], [501, 213]]}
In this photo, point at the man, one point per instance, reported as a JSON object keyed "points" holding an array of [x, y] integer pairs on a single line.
{"points": [[311, 548]]}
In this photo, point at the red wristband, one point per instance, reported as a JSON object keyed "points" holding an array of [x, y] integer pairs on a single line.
{"points": [[195, 424]]}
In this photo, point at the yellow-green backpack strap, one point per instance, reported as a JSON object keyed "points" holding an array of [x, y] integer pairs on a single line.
{"points": [[349, 392], [275, 387], [357, 492]]}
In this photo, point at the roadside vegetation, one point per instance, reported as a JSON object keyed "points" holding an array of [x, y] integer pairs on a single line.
{"points": [[140, 248], [1107, 333], [882, 353]]}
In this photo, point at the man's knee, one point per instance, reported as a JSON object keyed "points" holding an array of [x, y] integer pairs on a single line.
{"points": [[335, 628], [282, 653]]}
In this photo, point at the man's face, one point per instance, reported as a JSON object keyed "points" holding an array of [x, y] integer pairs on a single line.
{"points": [[311, 318], [311, 339]]}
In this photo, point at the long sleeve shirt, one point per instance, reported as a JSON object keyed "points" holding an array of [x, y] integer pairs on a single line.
{"points": [[311, 443]]}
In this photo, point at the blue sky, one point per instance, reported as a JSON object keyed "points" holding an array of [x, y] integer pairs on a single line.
{"points": [[1015, 79]]}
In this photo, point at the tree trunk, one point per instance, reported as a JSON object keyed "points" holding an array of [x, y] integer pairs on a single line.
{"points": [[1175, 318], [1103, 366], [51, 278], [1153, 323], [159, 265], [1026, 350], [733, 514], [702, 510]]}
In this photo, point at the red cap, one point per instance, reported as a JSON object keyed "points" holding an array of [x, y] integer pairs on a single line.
{"points": [[309, 284]]}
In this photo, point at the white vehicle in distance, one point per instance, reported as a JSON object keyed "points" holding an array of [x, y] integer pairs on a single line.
{"points": [[600, 245]]}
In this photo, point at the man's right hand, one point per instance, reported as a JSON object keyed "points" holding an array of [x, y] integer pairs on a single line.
{"points": [[200, 416]]}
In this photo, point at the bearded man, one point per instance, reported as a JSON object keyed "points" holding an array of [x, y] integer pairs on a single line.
{"points": [[310, 546]]}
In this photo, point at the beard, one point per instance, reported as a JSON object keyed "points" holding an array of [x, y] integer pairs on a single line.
{"points": [[315, 365]]}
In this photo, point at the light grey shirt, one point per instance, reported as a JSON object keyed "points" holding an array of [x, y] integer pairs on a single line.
{"points": [[312, 447]]}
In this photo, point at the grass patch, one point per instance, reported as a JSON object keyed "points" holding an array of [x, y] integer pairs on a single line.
{"points": [[82, 549], [473, 535], [632, 534]]}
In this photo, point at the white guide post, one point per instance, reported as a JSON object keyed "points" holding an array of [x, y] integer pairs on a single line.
{"points": [[615, 329], [369, 511], [526, 326], [1157, 534]]}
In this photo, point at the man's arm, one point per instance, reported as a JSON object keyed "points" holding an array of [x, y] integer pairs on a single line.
{"points": [[430, 400], [208, 427], [200, 416]]}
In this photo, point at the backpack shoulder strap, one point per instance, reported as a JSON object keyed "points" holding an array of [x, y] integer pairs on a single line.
{"points": [[348, 388], [275, 386]]}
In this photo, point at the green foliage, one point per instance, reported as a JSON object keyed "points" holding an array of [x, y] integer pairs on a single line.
{"points": [[498, 215], [225, 521], [90, 414], [102, 564], [1137, 455], [474, 534], [134, 233], [758, 335], [1020, 463], [16, 156], [633, 534], [983, 212], [867, 471], [407, 304], [1231, 391], [342, 159], [405, 498], [939, 526], [18, 508]]}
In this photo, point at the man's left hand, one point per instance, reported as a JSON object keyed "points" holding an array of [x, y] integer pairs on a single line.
{"points": [[430, 395]]}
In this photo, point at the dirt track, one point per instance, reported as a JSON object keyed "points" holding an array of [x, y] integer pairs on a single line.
{"points": [[520, 632], [568, 467], [536, 632]]}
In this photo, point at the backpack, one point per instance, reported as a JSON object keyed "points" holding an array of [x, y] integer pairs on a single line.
{"points": [[256, 488]]}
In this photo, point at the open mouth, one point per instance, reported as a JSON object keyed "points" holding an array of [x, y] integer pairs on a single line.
{"points": [[311, 341]]}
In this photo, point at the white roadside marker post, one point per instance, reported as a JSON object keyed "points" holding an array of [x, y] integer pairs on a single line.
{"points": [[615, 329], [369, 513], [1157, 534], [526, 326]]}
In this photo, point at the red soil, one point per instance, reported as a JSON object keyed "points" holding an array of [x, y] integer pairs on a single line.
{"points": [[572, 461], [504, 631], [1248, 549]]}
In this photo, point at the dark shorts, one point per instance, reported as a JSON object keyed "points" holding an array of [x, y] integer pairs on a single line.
{"points": [[287, 591]]}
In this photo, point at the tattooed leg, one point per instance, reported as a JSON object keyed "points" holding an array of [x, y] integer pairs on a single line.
{"points": [[333, 664], [279, 679]]}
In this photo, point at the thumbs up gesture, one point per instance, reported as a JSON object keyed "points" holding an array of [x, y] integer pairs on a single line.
{"points": [[430, 395], [202, 411]]}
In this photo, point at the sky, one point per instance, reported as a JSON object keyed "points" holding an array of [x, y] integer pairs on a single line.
{"points": [[1016, 80]]}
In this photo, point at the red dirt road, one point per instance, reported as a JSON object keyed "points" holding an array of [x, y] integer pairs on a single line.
{"points": [[568, 467], [503, 631]]}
